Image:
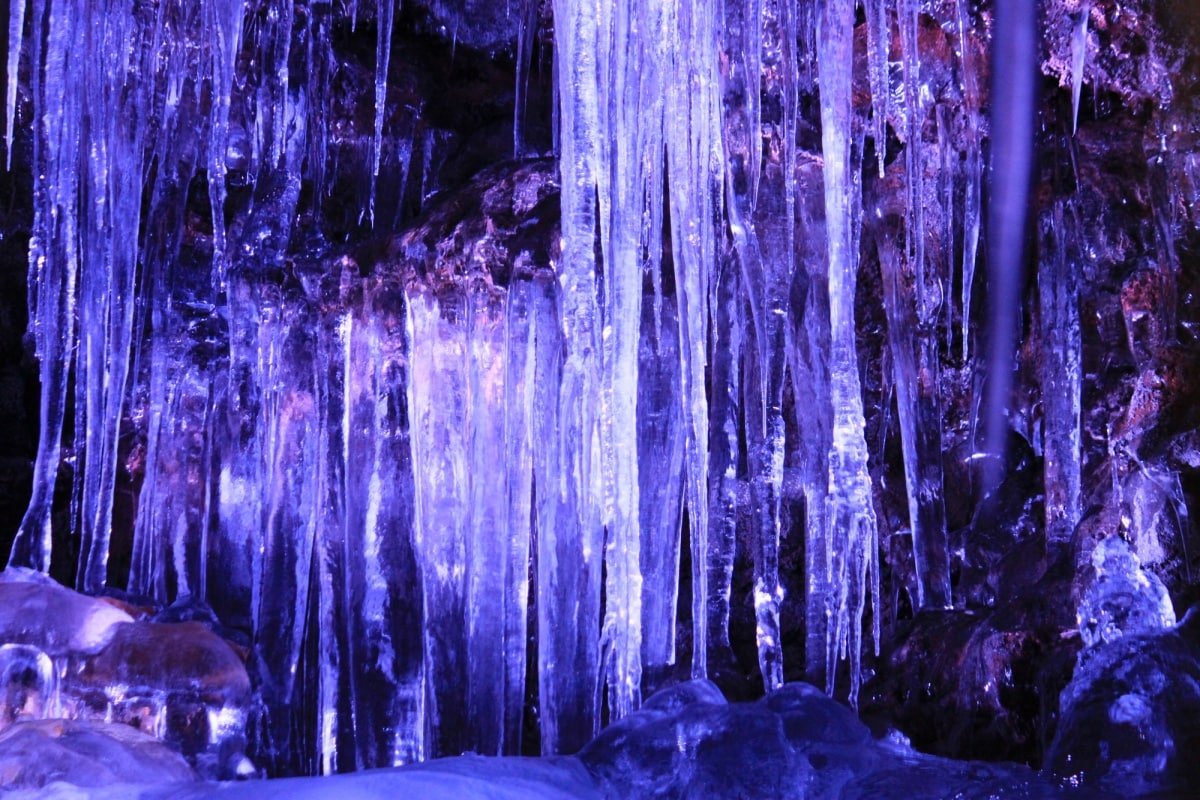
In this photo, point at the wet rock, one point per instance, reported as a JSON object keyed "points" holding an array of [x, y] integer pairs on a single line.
{"points": [[1130, 717], [171, 657]]}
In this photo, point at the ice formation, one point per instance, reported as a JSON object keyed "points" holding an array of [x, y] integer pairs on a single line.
{"points": [[395, 477]]}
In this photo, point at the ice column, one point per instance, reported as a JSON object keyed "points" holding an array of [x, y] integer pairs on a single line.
{"points": [[853, 545], [694, 158], [1061, 375]]}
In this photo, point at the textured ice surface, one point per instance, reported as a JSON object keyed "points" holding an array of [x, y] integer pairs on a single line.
{"points": [[36, 610], [84, 754], [1121, 599], [684, 742], [1130, 718]]}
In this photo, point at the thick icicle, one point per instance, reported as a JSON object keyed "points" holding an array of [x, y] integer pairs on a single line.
{"points": [[626, 81], [972, 165], [769, 261], [853, 534], [741, 142], [53, 256], [1061, 372], [694, 162]]}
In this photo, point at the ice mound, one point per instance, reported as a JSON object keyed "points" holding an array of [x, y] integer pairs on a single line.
{"points": [[34, 754], [67, 656]]}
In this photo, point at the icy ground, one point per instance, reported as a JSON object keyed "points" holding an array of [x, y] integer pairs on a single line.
{"points": [[685, 742]]}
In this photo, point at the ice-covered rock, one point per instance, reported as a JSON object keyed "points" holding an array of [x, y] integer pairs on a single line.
{"points": [[28, 684], [1130, 718], [1120, 598], [37, 611], [34, 754], [176, 657]]}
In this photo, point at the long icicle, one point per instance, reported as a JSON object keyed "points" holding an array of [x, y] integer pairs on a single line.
{"points": [[851, 561]]}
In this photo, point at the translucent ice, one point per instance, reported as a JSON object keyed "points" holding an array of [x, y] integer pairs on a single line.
{"points": [[1121, 599]]}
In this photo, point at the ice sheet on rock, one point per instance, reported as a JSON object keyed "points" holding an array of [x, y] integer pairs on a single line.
{"points": [[37, 611], [463, 778], [1129, 713], [181, 657], [83, 754], [29, 684], [1121, 599]]}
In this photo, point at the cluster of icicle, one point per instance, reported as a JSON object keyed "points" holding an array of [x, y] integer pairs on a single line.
{"points": [[333, 471]]}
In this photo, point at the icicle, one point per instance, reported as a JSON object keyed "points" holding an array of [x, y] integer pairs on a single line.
{"points": [[972, 167], [879, 45], [1061, 374], [1079, 37], [694, 155], [913, 290], [374, 595], [626, 74], [519, 409], [16, 27], [526, 33], [770, 273], [385, 11], [224, 20], [438, 394], [916, 382], [569, 541], [661, 441], [851, 517]]}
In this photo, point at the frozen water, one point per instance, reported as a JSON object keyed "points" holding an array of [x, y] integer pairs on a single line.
{"points": [[1121, 599], [37, 611], [75, 756]]}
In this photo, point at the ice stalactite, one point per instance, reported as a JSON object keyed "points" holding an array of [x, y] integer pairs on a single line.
{"points": [[1079, 48], [1061, 369], [694, 159], [972, 168], [571, 539], [852, 547], [767, 253], [384, 16], [916, 281]]}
